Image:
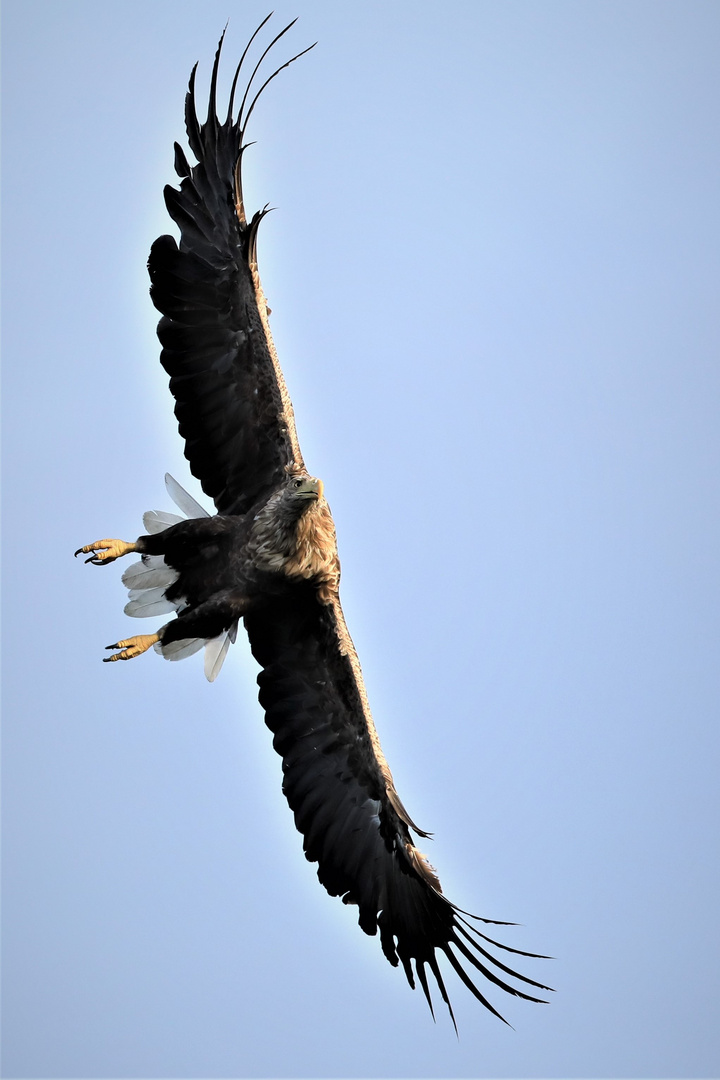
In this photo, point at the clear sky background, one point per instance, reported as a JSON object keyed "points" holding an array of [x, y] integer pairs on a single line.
{"points": [[494, 279]]}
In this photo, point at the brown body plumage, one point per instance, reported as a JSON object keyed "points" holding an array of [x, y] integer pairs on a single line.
{"points": [[301, 546]]}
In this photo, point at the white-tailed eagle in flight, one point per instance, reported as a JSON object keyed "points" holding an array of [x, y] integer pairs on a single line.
{"points": [[268, 558]]}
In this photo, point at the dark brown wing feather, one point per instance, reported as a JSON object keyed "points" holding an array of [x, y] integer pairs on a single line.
{"points": [[341, 792], [232, 406]]}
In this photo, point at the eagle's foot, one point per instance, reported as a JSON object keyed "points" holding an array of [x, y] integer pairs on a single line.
{"points": [[105, 551], [131, 647]]}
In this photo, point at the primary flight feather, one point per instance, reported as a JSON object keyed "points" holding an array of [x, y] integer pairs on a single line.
{"points": [[269, 557]]}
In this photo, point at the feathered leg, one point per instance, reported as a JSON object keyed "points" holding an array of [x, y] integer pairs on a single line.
{"points": [[208, 619]]}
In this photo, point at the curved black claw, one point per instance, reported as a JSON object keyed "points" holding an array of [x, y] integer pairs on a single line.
{"points": [[92, 559]]}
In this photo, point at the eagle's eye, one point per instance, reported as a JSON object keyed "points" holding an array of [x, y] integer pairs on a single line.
{"points": [[298, 482]]}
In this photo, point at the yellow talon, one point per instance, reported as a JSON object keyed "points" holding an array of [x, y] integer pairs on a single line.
{"points": [[105, 551], [131, 647]]}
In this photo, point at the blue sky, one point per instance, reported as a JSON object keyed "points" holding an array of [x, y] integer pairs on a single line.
{"points": [[493, 272]]}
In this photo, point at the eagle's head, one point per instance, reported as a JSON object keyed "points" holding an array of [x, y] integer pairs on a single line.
{"points": [[303, 488], [294, 533], [289, 520]]}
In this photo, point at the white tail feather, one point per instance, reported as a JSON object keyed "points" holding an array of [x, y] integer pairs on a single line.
{"points": [[215, 652], [183, 500], [148, 579], [179, 650], [152, 596], [156, 521], [141, 576], [154, 561], [147, 602]]}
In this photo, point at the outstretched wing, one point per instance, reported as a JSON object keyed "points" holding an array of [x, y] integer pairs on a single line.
{"points": [[341, 791], [232, 404]]}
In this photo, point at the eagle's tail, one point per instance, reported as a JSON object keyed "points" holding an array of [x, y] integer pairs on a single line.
{"points": [[148, 580]]}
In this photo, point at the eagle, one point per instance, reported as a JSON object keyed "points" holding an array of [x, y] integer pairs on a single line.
{"points": [[268, 558]]}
